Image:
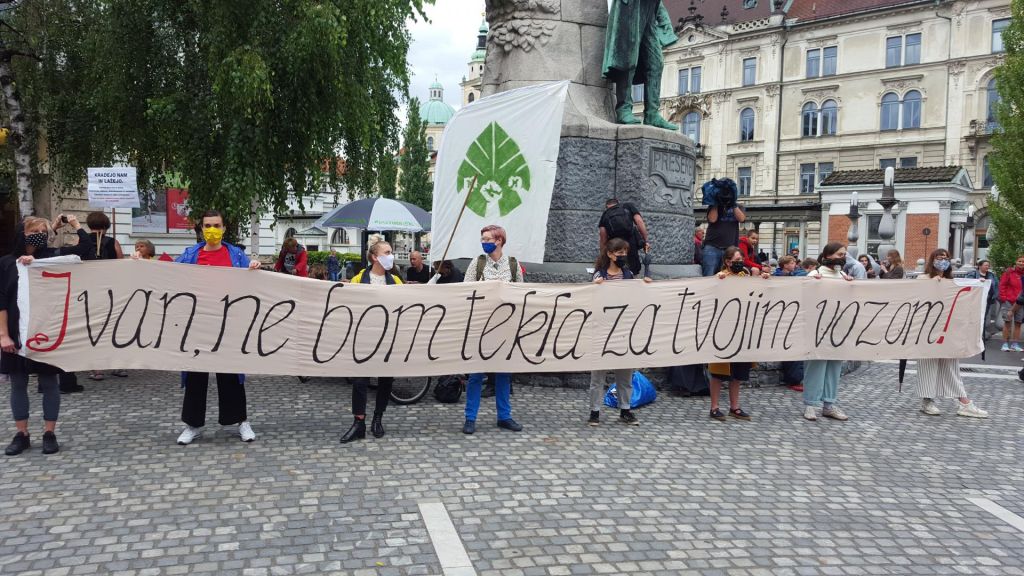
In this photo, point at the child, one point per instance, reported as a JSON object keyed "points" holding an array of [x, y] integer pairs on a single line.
{"points": [[736, 372], [809, 265], [611, 266]]}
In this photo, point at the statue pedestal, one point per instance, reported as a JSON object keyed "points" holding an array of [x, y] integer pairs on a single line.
{"points": [[649, 167]]}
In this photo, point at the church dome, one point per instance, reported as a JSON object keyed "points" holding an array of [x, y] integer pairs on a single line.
{"points": [[435, 111]]}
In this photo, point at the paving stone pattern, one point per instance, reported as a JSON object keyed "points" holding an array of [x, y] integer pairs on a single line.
{"points": [[884, 493]]}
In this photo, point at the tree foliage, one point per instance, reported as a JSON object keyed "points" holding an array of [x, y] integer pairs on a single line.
{"points": [[387, 177], [414, 179], [248, 99], [1007, 161]]}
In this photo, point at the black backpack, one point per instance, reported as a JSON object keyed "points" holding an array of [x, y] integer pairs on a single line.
{"points": [[620, 223], [448, 389]]}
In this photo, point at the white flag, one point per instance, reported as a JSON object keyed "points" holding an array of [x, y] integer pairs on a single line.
{"points": [[509, 142]]}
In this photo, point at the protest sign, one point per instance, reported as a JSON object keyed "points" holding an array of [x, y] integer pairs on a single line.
{"points": [[154, 315], [115, 187]]}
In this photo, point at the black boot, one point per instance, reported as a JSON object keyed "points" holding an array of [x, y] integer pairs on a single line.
{"points": [[18, 445], [376, 426], [50, 445], [356, 432]]}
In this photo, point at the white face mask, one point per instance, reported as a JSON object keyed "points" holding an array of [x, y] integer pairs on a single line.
{"points": [[387, 261]]}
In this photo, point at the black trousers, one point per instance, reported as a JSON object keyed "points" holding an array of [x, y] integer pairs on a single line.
{"points": [[230, 396], [359, 395]]}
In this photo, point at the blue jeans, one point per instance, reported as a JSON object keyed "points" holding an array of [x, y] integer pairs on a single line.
{"points": [[821, 381], [333, 276], [502, 395], [711, 260]]}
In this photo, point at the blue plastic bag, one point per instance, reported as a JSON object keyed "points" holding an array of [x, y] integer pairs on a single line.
{"points": [[643, 393]]}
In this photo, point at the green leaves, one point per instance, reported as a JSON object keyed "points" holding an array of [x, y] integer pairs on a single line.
{"points": [[415, 161], [1007, 158], [502, 174]]}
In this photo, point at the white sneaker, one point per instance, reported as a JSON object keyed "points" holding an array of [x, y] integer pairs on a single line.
{"points": [[1016, 347], [971, 410], [834, 413], [1005, 348], [189, 434], [928, 407], [810, 413], [246, 432]]}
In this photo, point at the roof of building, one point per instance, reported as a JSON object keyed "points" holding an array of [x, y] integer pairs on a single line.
{"points": [[903, 176], [738, 10], [806, 10], [435, 111], [481, 48]]}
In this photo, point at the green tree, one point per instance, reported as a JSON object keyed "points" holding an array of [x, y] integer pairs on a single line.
{"points": [[1007, 160], [250, 100], [387, 177], [414, 179]]}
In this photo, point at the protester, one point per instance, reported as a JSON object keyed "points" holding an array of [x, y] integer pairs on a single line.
{"points": [[624, 221], [213, 251], [448, 273], [984, 272], [30, 244], [1010, 286], [292, 259], [493, 264], [734, 373], [892, 266], [724, 219], [333, 266], [144, 250], [940, 377], [808, 265], [698, 243], [854, 269], [788, 267], [748, 246], [104, 248], [865, 261], [792, 371], [821, 377], [318, 272], [417, 272], [612, 265], [382, 261], [795, 253]]}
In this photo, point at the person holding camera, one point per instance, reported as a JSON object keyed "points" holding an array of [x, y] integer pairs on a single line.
{"points": [[724, 219]]}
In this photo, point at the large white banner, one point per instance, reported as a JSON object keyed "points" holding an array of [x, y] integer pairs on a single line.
{"points": [[115, 187], [509, 143], [167, 316]]}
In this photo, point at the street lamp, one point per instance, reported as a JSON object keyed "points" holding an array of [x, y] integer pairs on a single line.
{"points": [[968, 254], [887, 224], [853, 235]]}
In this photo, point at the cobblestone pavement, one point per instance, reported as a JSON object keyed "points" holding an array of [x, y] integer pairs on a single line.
{"points": [[884, 493]]}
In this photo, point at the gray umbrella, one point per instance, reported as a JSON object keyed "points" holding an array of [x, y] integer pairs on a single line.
{"points": [[378, 215]]}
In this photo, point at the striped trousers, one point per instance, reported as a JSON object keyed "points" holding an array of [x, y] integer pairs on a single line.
{"points": [[939, 378]]}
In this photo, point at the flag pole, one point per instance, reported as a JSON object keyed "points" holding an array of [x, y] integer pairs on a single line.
{"points": [[451, 237]]}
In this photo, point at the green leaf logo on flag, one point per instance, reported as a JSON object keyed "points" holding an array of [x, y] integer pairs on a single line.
{"points": [[502, 174]]}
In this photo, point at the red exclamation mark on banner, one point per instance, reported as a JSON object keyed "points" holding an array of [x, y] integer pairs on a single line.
{"points": [[950, 315]]}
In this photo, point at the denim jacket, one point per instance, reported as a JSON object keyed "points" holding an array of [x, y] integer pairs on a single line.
{"points": [[191, 255]]}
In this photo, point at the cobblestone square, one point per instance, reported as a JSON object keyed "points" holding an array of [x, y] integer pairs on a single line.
{"points": [[884, 493]]}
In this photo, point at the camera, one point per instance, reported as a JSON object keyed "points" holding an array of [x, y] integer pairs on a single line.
{"points": [[63, 219], [720, 193]]}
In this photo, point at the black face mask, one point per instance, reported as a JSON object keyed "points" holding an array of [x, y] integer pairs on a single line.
{"points": [[37, 239], [621, 261], [833, 262], [736, 267]]}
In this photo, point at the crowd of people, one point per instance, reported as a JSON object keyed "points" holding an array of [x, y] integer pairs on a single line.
{"points": [[623, 250]]}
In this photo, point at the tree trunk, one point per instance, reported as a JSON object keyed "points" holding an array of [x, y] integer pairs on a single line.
{"points": [[22, 154]]}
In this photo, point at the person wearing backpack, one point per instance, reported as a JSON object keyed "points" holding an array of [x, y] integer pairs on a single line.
{"points": [[611, 267], [493, 264], [624, 221]]}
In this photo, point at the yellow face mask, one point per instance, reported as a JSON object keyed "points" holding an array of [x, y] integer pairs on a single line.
{"points": [[213, 235]]}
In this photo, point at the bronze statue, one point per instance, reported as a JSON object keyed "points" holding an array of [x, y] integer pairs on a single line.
{"points": [[637, 32]]}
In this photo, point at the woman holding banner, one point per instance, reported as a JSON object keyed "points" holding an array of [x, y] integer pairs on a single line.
{"points": [[821, 377], [30, 243], [940, 377], [493, 264], [382, 261]]}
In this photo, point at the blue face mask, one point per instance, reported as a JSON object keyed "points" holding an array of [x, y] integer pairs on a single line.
{"points": [[489, 247], [941, 265]]}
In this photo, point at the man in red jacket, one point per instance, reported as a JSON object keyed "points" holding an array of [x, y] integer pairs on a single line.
{"points": [[748, 246], [1010, 287]]}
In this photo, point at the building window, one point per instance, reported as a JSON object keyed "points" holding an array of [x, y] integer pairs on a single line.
{"points": [[902, 51], [912, 110], [874, 240], [991, 101], [746, 125], [809, 119], [691, 126], [908, 162], [890, 111], [887, 163], [997, 34], [986, 173], [830, 61], [745, 180], [824, 169], [339, 236], [813, 63], [638, 92], [430, 142], [749, 71], [807, 178], [829, 118], [472, 97], [822, 62], [689, 80]]}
